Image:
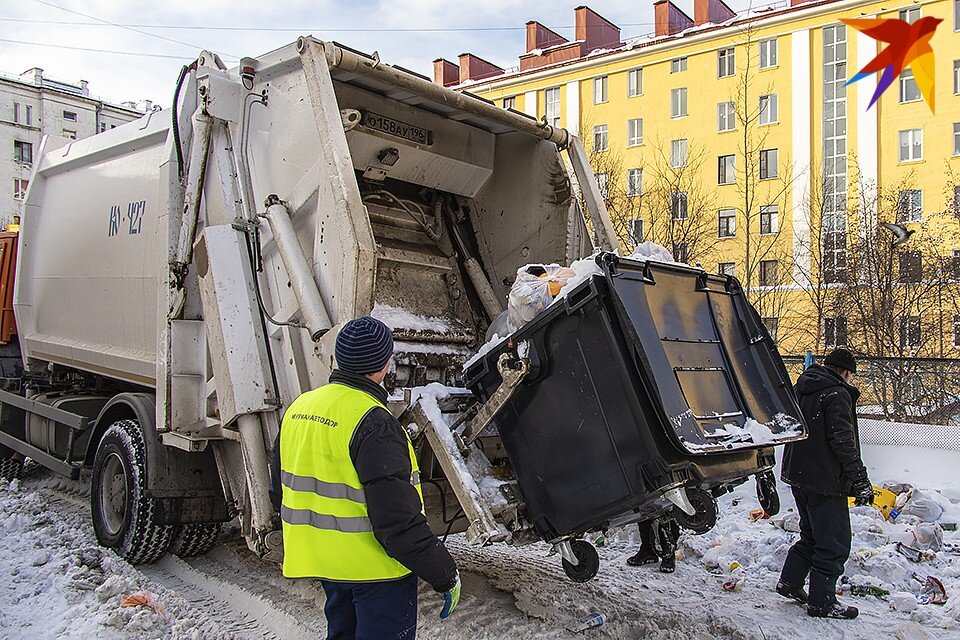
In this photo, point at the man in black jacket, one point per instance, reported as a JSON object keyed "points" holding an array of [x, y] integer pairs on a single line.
{"points": [[823, 471], [347, 486]]}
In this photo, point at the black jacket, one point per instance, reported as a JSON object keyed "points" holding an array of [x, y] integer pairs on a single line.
{"points": [[828, 461], [379, 453]]}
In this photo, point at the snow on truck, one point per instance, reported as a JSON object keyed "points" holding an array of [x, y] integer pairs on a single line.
{"points": [[181, 279]]}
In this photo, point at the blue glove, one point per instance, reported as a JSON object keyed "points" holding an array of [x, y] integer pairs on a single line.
{"points": [[450, 600]]}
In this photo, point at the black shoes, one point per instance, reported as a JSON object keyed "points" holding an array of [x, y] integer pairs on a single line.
{"points": [[641, 558], [794, 593], [668, 564], [834, 610]]}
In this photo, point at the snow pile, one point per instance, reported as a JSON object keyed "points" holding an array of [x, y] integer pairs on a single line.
{"points": [[402, 320], [60, 584]]}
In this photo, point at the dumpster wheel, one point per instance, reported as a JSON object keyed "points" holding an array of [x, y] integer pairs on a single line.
{"points": [[767, 493], [588, 562], [705, 514]]}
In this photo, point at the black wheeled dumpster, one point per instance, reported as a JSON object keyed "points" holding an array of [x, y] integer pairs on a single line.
{"points": [[642, 381]]}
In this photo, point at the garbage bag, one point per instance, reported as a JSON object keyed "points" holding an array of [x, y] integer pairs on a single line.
{"points": [[533, 291], [928, 537], [922, 507]]}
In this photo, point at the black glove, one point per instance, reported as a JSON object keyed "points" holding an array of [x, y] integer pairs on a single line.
{"points": [[862, 491]]}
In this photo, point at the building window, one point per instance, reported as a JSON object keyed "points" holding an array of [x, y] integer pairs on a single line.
{"points": [[603, 184], [956, 201], [600, 142], [635, 229], [910, 15], [20, 188], [956, 316], [834, 332], [768, 164], [16, 113], [956, 137], [680, 252], [70, 115], [68, 133], [725, 63], [678, 64], [678, 153], [769, 219], [678, 102], [910, 206], [911, 145], [911, 266], [727, 169], [600, 90], [956, 15], [909, 91], [726, 268], [956, 77], [678, 205], [23, 152], [956, 264], [768, 53], [726, 116], [552, 102], [510, 102], [769, 276], [634, 132], [769, 109], [727, 223], [772, 324], [635, 83], [910, 332], [634, 182], [834, 256]]}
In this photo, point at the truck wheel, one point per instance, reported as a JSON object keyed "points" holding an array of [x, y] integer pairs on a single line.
{"points": [[588, 562], [123, 517], [767, 493], [705, 511], [195, 539]]}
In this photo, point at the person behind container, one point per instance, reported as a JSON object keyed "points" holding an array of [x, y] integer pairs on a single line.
{"points": [[658, 541], [823, 471], [347, 485]]}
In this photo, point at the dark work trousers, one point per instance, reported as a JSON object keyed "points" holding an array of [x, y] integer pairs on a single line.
{"points": [[371, 610], [823, 547]]}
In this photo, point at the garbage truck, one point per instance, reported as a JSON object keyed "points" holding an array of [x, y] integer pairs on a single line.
{"points": [[182, 278]]}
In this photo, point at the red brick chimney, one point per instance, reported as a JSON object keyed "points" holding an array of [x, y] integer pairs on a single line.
{"points": [[595, 31], [715, 11], [445, 72], [669, 19], [475, 68], [539, 37]]}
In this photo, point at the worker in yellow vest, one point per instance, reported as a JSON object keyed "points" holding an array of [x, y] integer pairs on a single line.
{"points": [[350, 499]]}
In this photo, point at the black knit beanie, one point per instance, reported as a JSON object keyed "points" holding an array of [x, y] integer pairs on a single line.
{"points": [[842, 359], [363, 346]]}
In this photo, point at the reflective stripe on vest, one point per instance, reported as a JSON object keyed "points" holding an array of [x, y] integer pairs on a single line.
{"points": [[326, 530]]}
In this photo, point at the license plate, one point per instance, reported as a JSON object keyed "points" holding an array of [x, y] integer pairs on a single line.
{"points": [[396, 128]]}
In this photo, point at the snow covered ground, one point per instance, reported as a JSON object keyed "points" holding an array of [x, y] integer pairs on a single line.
{"points": [[59, 584]]}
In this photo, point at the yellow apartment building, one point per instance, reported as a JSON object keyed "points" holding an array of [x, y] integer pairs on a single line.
{"points": [[734, 141]]}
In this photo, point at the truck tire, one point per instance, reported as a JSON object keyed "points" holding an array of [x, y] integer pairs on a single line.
{"points": [[195, 539], [123, 517]]}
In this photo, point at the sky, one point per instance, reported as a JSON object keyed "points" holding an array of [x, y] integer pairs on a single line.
{"points": [[166, 34]]}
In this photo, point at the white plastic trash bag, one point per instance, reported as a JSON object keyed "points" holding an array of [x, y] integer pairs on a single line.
{"points": [[928, 537], [922, 507], [533, 291]]}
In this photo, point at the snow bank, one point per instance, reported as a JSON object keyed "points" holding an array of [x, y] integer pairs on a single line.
{"points": [[402, 320]]}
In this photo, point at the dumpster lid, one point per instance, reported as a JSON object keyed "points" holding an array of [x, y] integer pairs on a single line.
{"points": [[701, 348]]}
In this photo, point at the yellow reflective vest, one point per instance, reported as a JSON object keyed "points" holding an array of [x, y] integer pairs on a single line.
{"points": [[326, 530]]}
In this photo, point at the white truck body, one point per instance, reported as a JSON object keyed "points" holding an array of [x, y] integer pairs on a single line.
{"points": [[207, 269]]}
